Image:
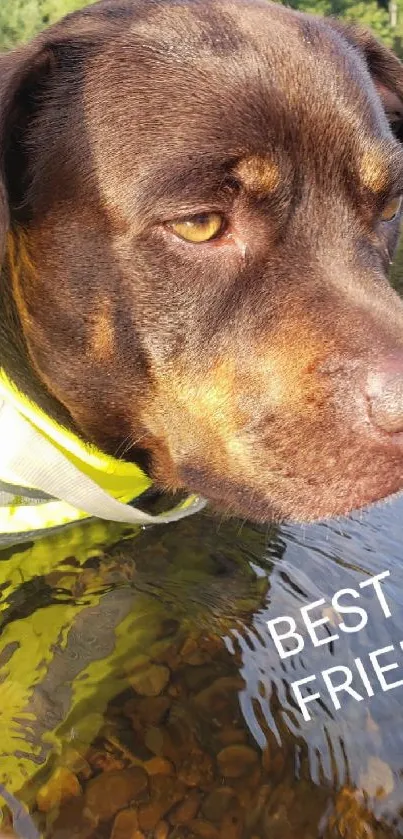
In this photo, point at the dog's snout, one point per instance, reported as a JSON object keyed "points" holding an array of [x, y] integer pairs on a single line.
{"points": [[385, 395]]}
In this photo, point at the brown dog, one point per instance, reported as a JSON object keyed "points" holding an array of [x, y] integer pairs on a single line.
{"points": [[200, 201]]}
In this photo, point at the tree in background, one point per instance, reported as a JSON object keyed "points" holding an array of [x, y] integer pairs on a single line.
{"points": [[20, 20], [384, 17]]}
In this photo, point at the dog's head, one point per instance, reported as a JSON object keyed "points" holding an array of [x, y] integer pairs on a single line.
{"points": [[200, 201]]}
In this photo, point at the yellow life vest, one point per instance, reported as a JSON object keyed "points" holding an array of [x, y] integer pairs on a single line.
{"points": [[49, 477]]}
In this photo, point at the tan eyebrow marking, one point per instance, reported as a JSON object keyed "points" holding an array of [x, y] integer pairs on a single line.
{"points": [[372, 170], [259, 174], [103, 333]]}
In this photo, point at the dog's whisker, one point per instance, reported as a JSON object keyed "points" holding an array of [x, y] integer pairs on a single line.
{"points": [[128, 444], [122, 447]]}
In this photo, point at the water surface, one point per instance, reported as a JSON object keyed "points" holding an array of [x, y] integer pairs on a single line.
{"points": [[142, 695]]}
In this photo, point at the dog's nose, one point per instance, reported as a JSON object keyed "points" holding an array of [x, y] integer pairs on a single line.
{"points": [[385, 395]]}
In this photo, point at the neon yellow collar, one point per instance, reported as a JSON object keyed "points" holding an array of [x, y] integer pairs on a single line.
{"points": [[116, 477]]}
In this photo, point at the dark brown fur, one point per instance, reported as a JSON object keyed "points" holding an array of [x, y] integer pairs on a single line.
{"points": [[234, 368]]}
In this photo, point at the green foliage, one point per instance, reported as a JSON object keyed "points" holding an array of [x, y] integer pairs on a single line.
{"points": [[21, 19], [370, 14], [374, 14]]}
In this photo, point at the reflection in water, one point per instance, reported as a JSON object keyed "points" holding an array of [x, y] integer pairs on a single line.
{"points": [[142, 695], [360, 743]]}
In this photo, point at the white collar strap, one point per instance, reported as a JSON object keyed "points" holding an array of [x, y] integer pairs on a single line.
{"points": [[29, 458]]}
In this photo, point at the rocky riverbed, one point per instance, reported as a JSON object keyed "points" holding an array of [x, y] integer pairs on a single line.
{"points": [[174, 760]]}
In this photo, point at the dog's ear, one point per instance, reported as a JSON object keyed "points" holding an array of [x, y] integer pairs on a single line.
{"points": [[45, 72], [21, 73], [385, 68]]}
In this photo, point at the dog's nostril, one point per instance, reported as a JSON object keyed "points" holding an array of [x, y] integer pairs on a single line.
{"points": [[385, 396]]}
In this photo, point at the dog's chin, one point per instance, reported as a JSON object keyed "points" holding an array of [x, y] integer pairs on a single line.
{"points": [[299, 501]]}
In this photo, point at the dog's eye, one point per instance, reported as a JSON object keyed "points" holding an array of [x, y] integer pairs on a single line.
{"points": [[199, 228], [392, 208]]}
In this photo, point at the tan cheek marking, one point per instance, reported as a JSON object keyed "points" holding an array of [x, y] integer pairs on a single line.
{"points": [[194, 415], [209, 403], [27, 289], [22, 273], [372, 171], [102, 333], [258, 174], [285, 367], [207, 418]]}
